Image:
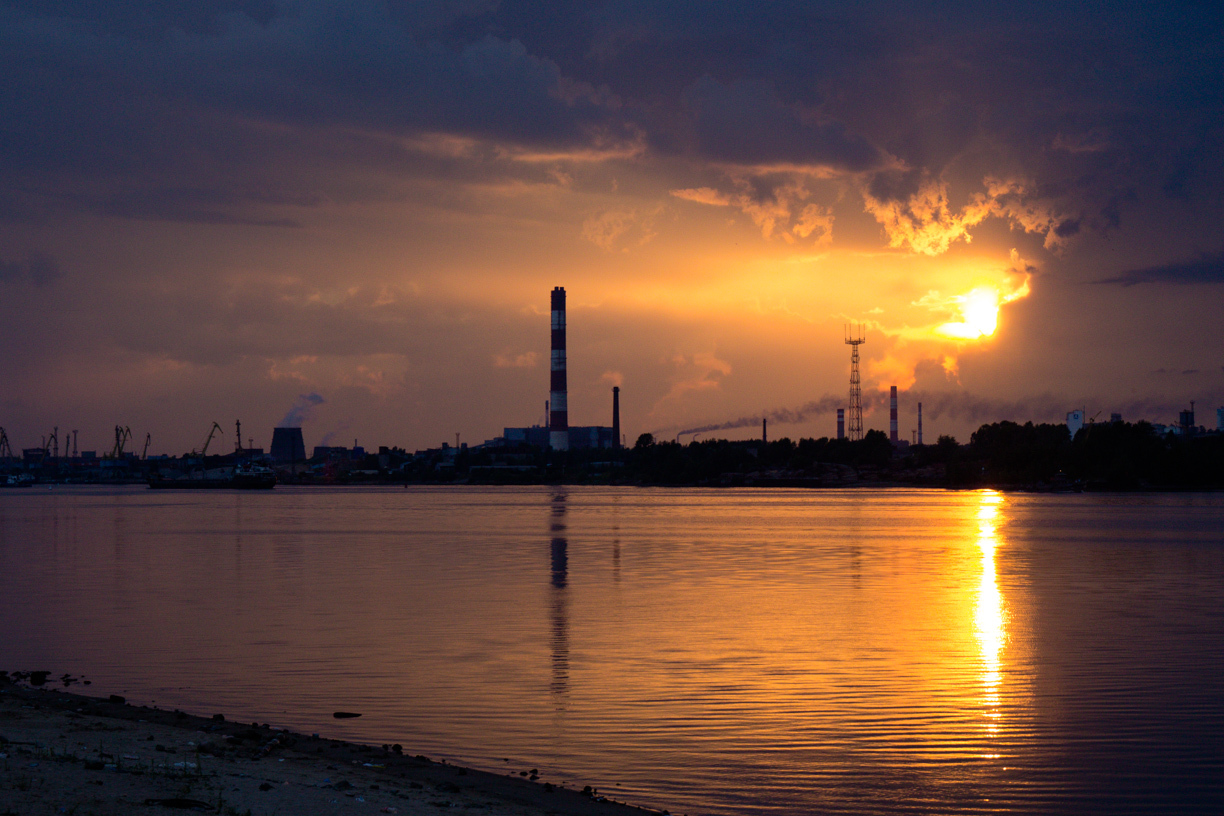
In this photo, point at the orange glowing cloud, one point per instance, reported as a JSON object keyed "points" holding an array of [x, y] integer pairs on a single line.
{"points": [[926, 222], [977, 310], [621, 229], [939, 325], [702, 371], [785, 212]]}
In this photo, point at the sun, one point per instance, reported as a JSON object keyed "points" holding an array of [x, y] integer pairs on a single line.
{"points": [[979, 312]]}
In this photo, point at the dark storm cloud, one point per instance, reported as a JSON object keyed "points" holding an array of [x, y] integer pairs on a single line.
{"points": [[324, 63], [219, 110], [194, 105], [747, 123], [1205, 269], [38, 270]]}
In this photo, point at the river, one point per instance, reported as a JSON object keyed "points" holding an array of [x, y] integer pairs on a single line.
{"points": [[706, 651]]}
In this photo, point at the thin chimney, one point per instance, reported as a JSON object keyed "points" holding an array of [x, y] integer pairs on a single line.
{"points": [[892, 414], [616, 443]]}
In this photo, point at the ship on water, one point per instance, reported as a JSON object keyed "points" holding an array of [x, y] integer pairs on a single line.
{"points": [[236, 471], [242, 476]]}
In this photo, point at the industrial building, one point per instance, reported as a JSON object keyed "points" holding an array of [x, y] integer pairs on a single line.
{"points": [[1075, 421]]}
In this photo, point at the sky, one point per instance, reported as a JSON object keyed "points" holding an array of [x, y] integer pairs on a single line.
{"points": [[350, 215]]}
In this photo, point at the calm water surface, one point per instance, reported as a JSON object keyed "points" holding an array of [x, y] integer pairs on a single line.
{"points": [[721, 652]]}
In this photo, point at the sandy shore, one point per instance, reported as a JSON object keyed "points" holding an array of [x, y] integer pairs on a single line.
{"points": [[63, 753]]}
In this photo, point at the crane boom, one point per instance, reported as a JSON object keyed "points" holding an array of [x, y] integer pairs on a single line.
{"points": [[215, 429], [122, 435]]}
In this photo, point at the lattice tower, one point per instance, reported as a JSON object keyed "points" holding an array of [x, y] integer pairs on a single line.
{"points": [[854, 339]]}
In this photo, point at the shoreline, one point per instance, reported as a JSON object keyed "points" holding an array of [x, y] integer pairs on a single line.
{"points": [[63, 752], [782, 484]]}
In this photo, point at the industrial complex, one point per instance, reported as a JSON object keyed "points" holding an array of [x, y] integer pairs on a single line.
{"points": [[519, 450]]}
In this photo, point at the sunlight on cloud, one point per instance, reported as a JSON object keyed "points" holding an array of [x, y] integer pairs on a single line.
{"points": [[783, 212], [937, 326], [926, 222], [978, 310]]}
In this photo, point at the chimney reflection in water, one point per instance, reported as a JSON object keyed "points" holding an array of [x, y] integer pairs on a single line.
{"points": [[559, 607], [990, 618]]}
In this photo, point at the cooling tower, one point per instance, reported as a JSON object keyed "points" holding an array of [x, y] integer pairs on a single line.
{"points": [[287, 445]]}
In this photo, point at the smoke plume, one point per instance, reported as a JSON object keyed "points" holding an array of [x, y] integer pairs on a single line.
{"points": [[786, 416], [301, 410]]}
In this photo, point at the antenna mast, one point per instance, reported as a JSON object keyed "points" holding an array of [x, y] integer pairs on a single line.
{"points": [[854, 339]]}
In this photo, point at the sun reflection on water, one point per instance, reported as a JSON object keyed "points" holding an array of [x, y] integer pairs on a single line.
{"points": [[990, 616]]}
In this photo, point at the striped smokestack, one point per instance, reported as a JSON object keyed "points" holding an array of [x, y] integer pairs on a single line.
{"points": [[558, 415], [920, 423], [841, 423], [892, 414]]}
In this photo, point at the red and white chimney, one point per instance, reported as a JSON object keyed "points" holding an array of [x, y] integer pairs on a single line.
{"points": [[841, 423], [558, 411], [892, 414]]}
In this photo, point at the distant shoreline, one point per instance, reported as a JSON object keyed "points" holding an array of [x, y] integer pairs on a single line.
{"points": [[762, 485]]}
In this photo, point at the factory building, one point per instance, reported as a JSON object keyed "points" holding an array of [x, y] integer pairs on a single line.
{"points": [[1075, 421], [592, 436], [535, 436], [1185, 421]]}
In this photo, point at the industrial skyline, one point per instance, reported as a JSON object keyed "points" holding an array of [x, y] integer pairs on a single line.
{"points": [[1018, 204], [287, 442]]}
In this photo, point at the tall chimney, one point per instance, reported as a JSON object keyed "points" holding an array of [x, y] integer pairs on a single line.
{"points": [[764, 428], [616, 443], [558, 417], [841, 423], [892, 414], [920, 423]]}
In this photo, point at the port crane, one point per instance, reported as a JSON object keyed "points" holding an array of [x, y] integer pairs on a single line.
{"points": [[148, 439], [123, 435], [215, 429], [50, 444], [6, 450]]}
